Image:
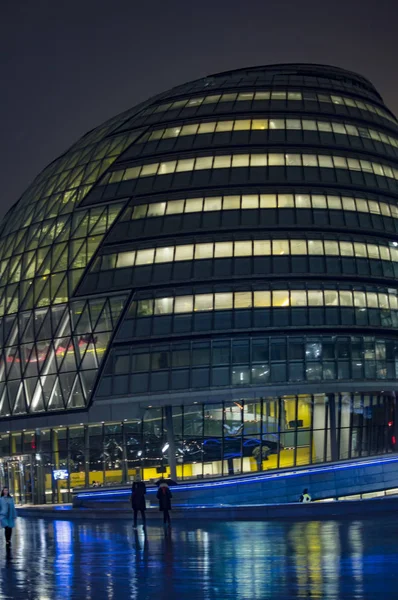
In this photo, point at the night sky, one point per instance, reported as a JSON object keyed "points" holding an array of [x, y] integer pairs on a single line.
{"points": [[67, 66]]}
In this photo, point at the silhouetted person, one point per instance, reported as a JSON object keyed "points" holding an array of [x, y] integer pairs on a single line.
{"points": [[138, 491], [8, 514], [164, 496], [305, 497]]}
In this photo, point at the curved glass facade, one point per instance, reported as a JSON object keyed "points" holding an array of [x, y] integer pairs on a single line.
{"points": [[205, 284]]}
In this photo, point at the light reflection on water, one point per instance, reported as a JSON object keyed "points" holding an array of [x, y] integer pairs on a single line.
{"points": [[65, 560]]}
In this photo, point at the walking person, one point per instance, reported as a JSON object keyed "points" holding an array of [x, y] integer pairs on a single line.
{"points": [[138, 491], [164, 496], [8, 514]]}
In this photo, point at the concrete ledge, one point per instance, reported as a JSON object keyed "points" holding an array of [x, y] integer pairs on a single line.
{"points": [[258, 512]]}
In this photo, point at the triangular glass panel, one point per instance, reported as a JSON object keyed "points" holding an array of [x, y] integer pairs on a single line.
{"points": [[16, 397], [59, 260], [84, 323], [77, 253], [104, 321], [56, 401], [26, 331], [42, 321], [50, 365], [61, 294], [42, 293], [76, 310], [66, 381], [15, 369], [79, 224], [11, 356], [61, 348], [81, 343], [89, 360], [29, 360], [61, 321], [74, 278], [36, 396], [88, 379], [76, 398], [4, 405], [117, 305]]}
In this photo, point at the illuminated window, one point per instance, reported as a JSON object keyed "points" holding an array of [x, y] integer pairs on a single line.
{"points": [[184, 252], [203, 302], [125, 259], [222, 162], [223, 301], [223, 249], [163, 306], [280, 298], [145, 257], [203, 251], [164, 255], [155, 210], [262, 299], [183, 304], [213, 204]]}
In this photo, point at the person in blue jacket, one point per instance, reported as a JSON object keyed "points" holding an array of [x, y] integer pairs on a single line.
{"points": [[8, 514]]}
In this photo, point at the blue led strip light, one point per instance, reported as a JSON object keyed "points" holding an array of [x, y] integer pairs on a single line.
{"points": [[264, 477]]}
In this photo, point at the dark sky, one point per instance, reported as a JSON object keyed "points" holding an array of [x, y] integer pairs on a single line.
{"points": [[68, 65]]}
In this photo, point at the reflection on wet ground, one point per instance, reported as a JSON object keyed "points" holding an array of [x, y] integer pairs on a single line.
{"points": [[51, 560]]}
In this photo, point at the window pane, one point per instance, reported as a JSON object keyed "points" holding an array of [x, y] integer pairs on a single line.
{"points": [[203, 302], [240, 160], [125, 259], [243, 299], [185, 165], [145, 257], [205, 162], [203, 251], [212, 204], [175, 207], [222, 162], [262, 248], [223, 301], [280, 298], [262, 299], [243, 249], [249, 201], [298, 298], [206, 128], [183, 304], [193, 205], [280, 247], [224, 126], [184, 252], [164, 255], [148, 170], [163, 306], [276, 159], [258, 160], [231, 202], [166, 168], [223, 249], [259, 124], [315, 298], [315, 247], [242, 125], [156, 210]]}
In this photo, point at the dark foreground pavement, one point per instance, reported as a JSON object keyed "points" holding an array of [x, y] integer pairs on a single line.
{"points": [[60, 559]]}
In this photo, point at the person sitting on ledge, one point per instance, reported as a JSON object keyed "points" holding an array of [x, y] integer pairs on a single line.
{"points": [[305, 496]]}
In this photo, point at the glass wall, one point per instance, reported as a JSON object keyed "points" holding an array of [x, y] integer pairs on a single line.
{"points": [[211, 440]]}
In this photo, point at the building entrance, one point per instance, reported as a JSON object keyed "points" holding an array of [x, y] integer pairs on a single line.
{"points": [[17, 473]]}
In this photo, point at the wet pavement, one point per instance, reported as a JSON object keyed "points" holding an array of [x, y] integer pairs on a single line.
{"points": [[51, 560]]}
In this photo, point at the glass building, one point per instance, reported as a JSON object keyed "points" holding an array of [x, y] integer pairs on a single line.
{"points": [[205, 285]]}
